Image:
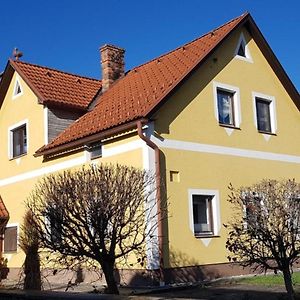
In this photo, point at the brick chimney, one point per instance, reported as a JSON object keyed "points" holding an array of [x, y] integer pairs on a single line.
{"points": [[112, 64]]}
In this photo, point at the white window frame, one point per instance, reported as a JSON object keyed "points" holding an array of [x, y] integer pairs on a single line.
{"points": [[248, 57], [10, 138], [17, 82], [8, 225], [273, 119], [215, 203], [236, 104]]}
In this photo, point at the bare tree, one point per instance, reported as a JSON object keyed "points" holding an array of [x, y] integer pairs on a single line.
{"points": [[265, 229], [29, 242], [102, 213]]}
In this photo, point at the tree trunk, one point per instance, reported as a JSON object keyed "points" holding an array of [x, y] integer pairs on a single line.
{"points": [[32, 280], [288, 283], [108, 270]]}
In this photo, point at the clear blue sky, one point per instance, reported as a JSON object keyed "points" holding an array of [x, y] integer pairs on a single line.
{"points": [[66, 34]]}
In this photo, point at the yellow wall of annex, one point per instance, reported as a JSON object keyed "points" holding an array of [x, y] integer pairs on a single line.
{"points": [[15, 193]]}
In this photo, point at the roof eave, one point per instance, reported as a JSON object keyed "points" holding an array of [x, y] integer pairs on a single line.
{"points": [[5, 81], [88, 139]]}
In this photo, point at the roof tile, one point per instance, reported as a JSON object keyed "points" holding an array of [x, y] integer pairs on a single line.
{"points": [[136, 94], [57, 87]]}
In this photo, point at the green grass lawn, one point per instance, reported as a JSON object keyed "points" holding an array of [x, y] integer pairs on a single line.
{"points": [[269, 280]]}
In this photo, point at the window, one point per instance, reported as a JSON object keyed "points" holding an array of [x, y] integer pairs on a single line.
{"points": [[17, 89], [264, 113], [10, 239], [242, 52], [54, 224], [19, 141], [241, 49], [95, 150], [225, 107], [204, 210], [202, 214]]}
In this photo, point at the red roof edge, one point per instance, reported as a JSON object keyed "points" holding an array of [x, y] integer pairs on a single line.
{"points": [[244, 18], [41, 98]]}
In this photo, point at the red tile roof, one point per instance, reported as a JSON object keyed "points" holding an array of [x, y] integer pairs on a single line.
{"points": [[55, 87], [143, 88], [4, 215]]}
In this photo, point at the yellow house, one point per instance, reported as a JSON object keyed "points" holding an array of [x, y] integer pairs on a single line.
{"points": [[215, 111]]}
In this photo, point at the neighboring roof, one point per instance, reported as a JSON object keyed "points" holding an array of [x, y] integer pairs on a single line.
{"points": [[53, 87], [4, 215], [145, 88]]}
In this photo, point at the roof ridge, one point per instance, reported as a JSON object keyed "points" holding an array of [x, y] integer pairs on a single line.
{"points": [[53, 69], [190, 42]]}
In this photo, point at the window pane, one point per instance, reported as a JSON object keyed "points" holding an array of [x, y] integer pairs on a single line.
{"points": [[10, 239], [263, 115], [202, 214], [55, 223], [19, 141], [241, 51], [225, 107]]}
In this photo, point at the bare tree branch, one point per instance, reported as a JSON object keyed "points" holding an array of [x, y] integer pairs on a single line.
{"points": [[264, 231], [102, 213]]}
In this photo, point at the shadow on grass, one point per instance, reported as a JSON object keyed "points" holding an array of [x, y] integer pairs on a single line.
{"points": [[235, 292]]}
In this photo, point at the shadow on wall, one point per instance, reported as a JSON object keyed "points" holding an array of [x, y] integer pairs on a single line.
{"points": [[186, 269]]}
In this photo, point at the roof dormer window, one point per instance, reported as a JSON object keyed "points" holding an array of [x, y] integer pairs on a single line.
{"points": [[18, 91], [242, 52]]}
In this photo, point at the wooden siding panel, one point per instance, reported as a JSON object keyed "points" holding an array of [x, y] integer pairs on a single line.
{"points": [[58, 120]]}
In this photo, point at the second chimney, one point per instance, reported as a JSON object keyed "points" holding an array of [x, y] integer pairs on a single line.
{"points": [[112, 64]]}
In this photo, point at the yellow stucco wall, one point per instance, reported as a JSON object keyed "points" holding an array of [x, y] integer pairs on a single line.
{"points": [[189, 116]]}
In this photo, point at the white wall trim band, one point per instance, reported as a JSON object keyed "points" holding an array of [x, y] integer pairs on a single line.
{"points": [[222, 150]]}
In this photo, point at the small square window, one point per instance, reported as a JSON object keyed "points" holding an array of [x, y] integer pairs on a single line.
{"points": [[95, 150], [202, 214], [11, 239], [225, 107], [19, 141]]}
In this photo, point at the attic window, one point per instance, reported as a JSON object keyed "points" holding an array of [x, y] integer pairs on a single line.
{"points": [[242, 51], [17, 89]]}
